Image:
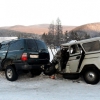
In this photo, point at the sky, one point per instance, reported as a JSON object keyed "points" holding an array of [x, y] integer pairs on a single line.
{"points": [[31, 12]]}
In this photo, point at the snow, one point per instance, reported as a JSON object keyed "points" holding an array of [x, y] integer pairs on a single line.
{"points": [[52, 53], [72, 41], [44, 88], [7, 38]]}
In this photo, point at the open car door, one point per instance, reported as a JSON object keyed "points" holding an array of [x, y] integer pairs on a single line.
{"points": [[74, 58]]}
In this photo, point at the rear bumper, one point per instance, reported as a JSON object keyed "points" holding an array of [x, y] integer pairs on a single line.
{"points": [[21, 66]]}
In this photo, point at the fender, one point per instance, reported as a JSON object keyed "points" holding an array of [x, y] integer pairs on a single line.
{"points": [[6, 62]]}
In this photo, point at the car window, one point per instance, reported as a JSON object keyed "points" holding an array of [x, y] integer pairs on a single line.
{"points": [[4, 47], [92, 46], [74, 49], [31, 45], [17, 45], [41, 45]]}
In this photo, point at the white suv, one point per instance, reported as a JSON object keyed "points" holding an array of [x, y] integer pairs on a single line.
{"points": [[80, 58]]}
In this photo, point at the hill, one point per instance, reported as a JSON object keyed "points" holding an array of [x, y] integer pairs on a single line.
{"points": [[85, 31], [37, 29], [12, 33], [91, 29]]}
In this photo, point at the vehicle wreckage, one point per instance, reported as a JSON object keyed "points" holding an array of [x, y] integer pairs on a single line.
{"points": [[77, 59]]}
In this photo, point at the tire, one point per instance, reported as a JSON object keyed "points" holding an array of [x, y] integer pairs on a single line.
{"points": [[50, 71], [91, 76], [11, 73]]}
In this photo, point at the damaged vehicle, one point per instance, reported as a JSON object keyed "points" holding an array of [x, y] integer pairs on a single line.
{"points": [[27, 55], [80, 58]]}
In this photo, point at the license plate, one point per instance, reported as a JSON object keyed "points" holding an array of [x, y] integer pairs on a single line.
{"points": [[34, 56]]}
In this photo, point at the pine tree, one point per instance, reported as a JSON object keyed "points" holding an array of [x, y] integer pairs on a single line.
{"points": [[66, 36], [51, 33], [44, 37], [58, 32]]}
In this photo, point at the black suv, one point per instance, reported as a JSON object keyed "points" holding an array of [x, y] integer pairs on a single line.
{"points": [[23, 54]]}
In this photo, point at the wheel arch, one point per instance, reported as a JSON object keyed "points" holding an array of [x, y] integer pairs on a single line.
{"points": [[89, 67], [6, 63]]}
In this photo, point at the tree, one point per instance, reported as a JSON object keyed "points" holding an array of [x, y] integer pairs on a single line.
{"points": [[66, 36], [79, 35], [51, 33], [51, 28], [58, 32], [55, 34], [44, 36]]}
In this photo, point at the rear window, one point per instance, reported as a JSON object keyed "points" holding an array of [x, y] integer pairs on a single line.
{"points": [[41, 45], [92, 46], [31, 45]]}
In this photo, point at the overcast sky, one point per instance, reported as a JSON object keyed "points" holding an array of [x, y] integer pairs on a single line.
{"points": [[30, 12]]}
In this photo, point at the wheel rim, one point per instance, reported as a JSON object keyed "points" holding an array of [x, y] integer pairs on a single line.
{"points": [[9, 73], [91, 76]]}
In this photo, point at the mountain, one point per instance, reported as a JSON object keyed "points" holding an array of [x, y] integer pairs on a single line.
{"points": [[37, 29], [12, 33], [85, 31], [90, 28]]}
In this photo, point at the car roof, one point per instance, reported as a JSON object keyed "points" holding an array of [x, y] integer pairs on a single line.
{"points": [[7, 41], [81, 41], [13, 40]]}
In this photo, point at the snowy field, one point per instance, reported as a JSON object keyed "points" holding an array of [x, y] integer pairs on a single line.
{"points": [[44, 88]]}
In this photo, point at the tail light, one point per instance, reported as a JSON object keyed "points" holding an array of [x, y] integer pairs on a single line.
{"points": [[24, 57]]}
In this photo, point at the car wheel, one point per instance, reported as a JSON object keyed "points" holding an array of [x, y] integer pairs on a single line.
{"points": [[91, 76], [11, 73], [50, 71]]}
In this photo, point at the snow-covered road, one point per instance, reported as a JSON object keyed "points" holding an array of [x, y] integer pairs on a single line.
{"points": [[44, 88]]}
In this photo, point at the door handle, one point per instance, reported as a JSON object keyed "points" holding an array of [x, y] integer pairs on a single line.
{"points": [[77, 57]]}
